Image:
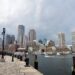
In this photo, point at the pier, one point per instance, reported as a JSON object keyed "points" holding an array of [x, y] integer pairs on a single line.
{"points": [[16, 67]]}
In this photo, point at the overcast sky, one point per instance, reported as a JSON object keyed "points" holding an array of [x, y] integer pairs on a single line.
{"points": [[48, 17]]}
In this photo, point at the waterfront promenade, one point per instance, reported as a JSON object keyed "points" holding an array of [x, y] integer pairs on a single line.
{"points": [[16, 68]]}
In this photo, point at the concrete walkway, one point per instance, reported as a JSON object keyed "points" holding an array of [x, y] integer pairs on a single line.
{"points": [[16, 68]]}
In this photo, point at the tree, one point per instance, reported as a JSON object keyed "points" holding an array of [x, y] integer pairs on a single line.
{"points": [[44, 41], [40, 41]]}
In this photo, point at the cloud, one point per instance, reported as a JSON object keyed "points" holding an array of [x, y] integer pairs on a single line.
{"points": [[48, 17]]}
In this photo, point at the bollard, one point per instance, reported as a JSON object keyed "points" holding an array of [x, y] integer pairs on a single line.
{"points": [[20, 58], [35, 62], [73, 72], [27, 62], [36, 65], [12, 58]]}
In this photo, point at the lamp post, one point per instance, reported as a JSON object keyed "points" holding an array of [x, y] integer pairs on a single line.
{"points": [[3, 33]]}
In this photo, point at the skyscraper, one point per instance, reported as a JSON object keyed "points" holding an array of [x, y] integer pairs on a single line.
{"points": [[61, 38], [26, 41], [0, 43], [73, 41], [10, 39], [32, 35], [21, 33]]}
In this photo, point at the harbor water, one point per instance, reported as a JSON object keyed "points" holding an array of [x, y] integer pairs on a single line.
{"points": [[54, 65]]}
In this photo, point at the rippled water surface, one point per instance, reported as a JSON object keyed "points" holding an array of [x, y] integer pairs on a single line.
{"points": [[54, 65]]}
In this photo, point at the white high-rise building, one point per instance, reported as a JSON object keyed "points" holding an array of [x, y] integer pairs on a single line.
{"points": [[73, 41], [61, 38], [32, 35], [21, 34], [26, 41]]}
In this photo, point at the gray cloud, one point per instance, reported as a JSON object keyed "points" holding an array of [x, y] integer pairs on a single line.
{"points": [[48, 17]]}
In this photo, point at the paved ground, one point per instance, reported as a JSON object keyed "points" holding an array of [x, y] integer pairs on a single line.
{"points": [[16, 68], [9, 68]]}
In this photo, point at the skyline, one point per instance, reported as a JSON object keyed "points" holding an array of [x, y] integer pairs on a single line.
{"points": [[46, 17], [16, 36]]}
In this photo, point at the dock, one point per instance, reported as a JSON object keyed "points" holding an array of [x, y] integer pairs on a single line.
{"points": [[16, 68]]}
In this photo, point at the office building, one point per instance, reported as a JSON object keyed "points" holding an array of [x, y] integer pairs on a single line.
{"points": [[61, 38], [9, 39], [26, 41], [32, 36], [21, 34], [73, 41]]}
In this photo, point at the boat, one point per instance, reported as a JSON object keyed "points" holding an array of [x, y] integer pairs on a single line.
{"points": [[58, 53], [46, 55]]}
